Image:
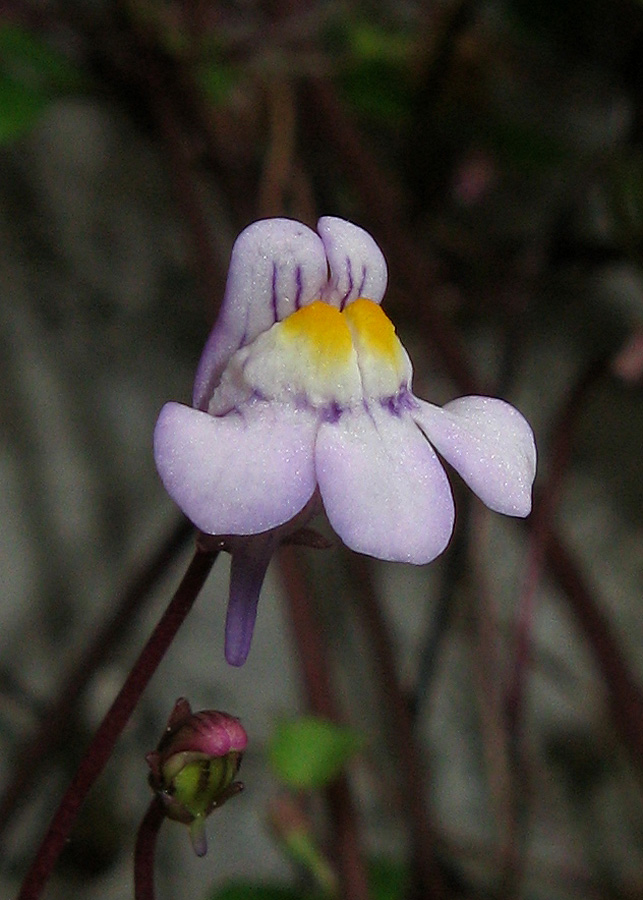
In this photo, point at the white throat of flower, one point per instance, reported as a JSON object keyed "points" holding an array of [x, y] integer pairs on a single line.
{"points": [[319, 357]]}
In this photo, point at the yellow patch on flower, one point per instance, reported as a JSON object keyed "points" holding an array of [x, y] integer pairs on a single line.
{"points": [[324, 355], [373, 331], [320, 331]]}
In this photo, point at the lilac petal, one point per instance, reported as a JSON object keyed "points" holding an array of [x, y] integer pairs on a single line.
{"points": [[236, 474], [384, 489], [490, 444], [357, 265], [249, 565], [277, 265]]}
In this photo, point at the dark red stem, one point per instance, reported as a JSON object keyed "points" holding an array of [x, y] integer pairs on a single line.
{"points": [[545, 505], [428, 877], [317, 682], [145, 851], [102, 745], [52, 730]]}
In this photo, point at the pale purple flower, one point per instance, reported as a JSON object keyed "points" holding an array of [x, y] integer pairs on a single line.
{"points": [[303, 401]]}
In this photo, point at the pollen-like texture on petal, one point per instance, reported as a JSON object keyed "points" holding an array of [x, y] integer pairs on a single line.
{"points": [[357, 265], [490, 444], [384, 490], [276, 267], [236, 474]]}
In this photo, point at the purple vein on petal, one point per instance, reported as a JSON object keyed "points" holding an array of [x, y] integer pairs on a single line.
{"points": [[274, 292], [360, 292], [299, 284], [349, 272]]}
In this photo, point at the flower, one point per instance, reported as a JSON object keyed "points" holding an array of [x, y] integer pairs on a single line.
{"points": [[193, 767], [303, 401]]}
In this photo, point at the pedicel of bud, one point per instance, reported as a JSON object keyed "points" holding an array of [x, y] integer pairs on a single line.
{"points": [[194, 765]]}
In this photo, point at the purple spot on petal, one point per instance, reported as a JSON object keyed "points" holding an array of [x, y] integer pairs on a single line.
{"points": [[332, 413], [406, 399], [399, 403], [390, 404]]}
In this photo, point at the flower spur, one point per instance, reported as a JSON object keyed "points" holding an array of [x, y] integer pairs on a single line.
{"points": [[303, 402]]}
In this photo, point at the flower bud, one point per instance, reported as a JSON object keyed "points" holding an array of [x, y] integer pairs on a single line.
{"points": [[194, 765]]}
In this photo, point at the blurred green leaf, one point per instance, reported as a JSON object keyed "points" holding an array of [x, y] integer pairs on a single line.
{"points": [[31, 74], [310, 752], [372, 42], [217, 81], [26, 57], [248, 891], [377, 89], [375, 69], [524, 145], [20, 107], [388, 879], [625, 196]]}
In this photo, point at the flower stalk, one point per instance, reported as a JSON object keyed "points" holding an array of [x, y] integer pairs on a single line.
{"points": [[51, 732], [145, 850], [104, 741]]}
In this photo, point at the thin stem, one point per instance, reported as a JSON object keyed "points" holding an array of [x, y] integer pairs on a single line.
{"points": [[145, 850], [428, 877], [102, 745], [52, 731], [626, 698], [454, 565], [317, 682], [507, 773], [544, 509]]}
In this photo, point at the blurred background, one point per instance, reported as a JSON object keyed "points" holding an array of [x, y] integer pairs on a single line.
{"points": [[495, 152]]}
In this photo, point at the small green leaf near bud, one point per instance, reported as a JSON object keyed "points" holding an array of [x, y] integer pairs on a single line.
{"points": [[310, 752]]}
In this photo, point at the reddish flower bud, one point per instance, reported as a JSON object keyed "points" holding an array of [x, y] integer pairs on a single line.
{"points": [[194, 765]]}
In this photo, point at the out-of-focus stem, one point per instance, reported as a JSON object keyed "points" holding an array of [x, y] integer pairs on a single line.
{"points": [[544, 508], [102, 745], [51, 730], [145, 851], [317, 682], [428, 877]]}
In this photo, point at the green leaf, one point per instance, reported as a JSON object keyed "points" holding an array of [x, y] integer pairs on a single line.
{"points": [[217, 81], [378, 90], [31, 74], [310, 752], [20, 107], [28, 59], [249, 891], [388, 879], [373, 42]]}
